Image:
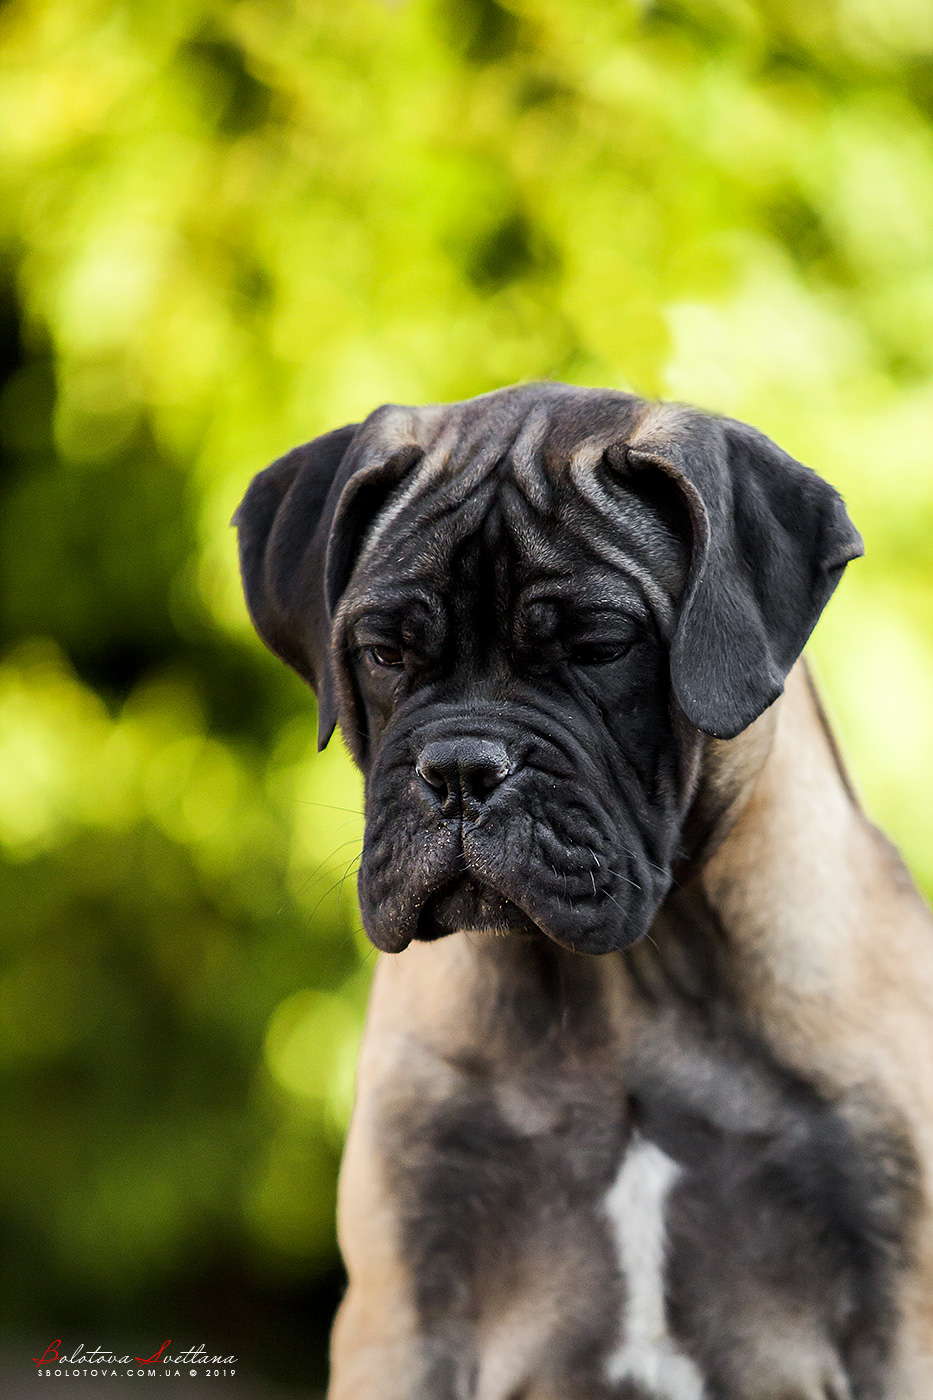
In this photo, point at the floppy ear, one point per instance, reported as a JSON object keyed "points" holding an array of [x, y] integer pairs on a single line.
{"points": [[283, 527], [300, 526], [770, 542]]}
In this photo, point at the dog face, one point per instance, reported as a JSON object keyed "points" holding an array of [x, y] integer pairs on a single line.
{"points": [[507, 664], [525, 611]]}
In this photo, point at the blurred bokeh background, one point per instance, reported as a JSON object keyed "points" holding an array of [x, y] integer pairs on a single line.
{"points": [[224, 228]]}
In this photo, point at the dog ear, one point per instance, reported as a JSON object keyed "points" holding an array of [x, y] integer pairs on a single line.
{"points": [[283, 527], [300, 526], [770, 542]]}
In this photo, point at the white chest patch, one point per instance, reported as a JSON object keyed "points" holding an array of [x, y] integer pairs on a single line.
{"points": [[635, 1206]]}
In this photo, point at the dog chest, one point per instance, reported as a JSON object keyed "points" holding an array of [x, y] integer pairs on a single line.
{"points": [[687, 1222]]}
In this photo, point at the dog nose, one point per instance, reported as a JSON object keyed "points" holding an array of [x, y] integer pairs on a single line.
{"points": [[463, 770]]}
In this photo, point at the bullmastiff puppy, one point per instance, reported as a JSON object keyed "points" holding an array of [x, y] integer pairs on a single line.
{"points": [[645, 1100]]}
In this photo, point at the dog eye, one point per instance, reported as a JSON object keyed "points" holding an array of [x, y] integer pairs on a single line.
{"points": [[385, 656], [598, 653]]}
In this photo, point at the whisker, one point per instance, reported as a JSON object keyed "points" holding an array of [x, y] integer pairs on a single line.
{"points": [[618, 873], [343, 878], [305, 802], [330, 889], [635, 856]]}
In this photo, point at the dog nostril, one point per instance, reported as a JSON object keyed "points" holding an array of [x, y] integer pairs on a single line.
{"points": [[463, 768], [485, 777], [432, 773]]}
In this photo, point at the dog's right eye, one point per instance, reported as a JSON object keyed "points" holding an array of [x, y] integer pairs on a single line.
{"points": [[385, 656]]}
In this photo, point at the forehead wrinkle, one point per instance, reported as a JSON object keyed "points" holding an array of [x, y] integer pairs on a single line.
{"points": [[459, 509], [428, 468], [605, 588], [479, 468], [533, 541], [526, 459], [456, 513], [629, 524], [629, 554], [379, 601], [423, 556], [659, 601], [421, 481], [621, 579], [507, 452], [481, 434], [462, 449], [625, 516]]}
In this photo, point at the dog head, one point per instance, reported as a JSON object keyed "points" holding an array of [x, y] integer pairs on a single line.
{"points": [[526, 611]]}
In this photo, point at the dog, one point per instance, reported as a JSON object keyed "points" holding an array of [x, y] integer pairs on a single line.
{"points": [[644, 1105]]}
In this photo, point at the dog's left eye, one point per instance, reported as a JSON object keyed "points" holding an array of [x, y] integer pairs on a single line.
{"points": [[597, 653], [385, 656]]}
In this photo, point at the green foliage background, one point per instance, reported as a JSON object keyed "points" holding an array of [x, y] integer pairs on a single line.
{"points": [[226, 227]]}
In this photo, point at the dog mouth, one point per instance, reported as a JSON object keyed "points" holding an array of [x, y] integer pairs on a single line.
{"points": [[465, 904], [573, 871]]}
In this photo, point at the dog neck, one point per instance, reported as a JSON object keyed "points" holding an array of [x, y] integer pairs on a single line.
{"points": [[726, 773], [812, 905], [765, 871], [778, 870]]}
